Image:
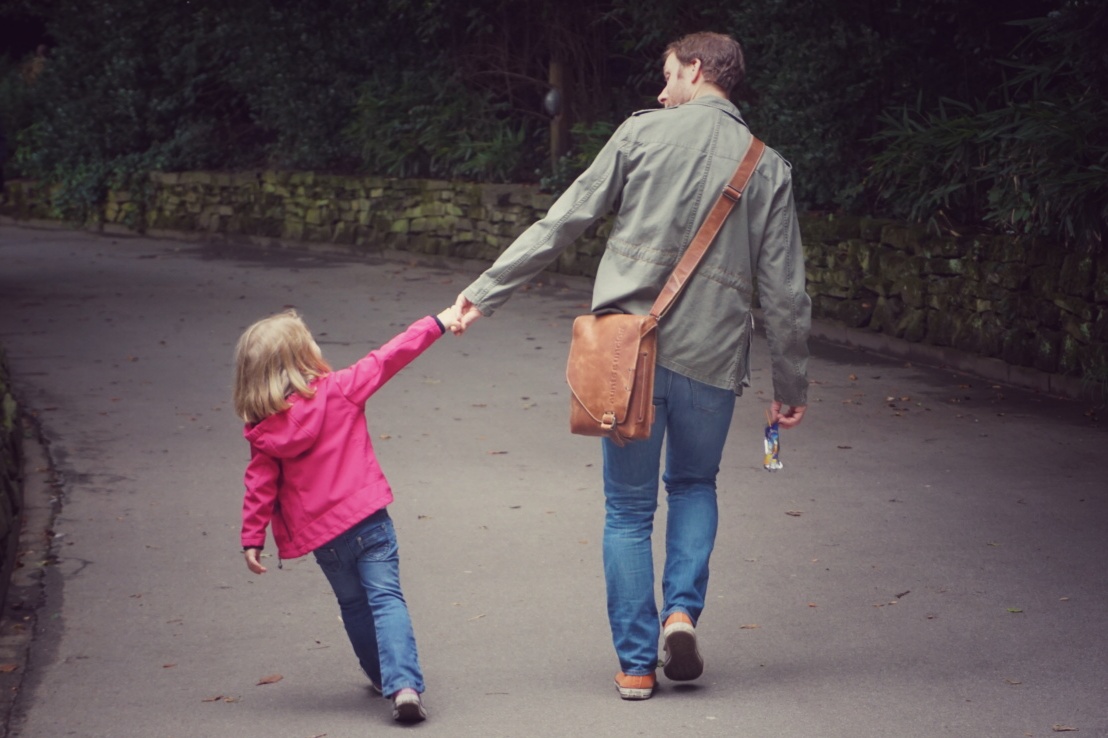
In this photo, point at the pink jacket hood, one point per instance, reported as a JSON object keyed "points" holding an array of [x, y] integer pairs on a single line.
{"points": [[288, 433]]}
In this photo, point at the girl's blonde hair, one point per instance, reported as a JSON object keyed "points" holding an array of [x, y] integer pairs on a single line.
{"points": [[274, 358]]}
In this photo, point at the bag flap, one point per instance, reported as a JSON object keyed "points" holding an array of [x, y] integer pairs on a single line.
{"points": [[602, 360]]}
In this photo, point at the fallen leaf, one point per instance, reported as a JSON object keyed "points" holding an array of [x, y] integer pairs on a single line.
{"points": [[1015, 610], [794, 513], [271, 679], [168, 666], [751, 626], [812, 604], [497, 453], [8, 668], [1063, 728], [1013, 681], [217, 698], [475, 617]]}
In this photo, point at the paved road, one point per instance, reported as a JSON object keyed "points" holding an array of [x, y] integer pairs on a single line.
{"points": [[930, 562]]}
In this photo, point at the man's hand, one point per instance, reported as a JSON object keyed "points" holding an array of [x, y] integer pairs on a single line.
{"points": [[469, 313], [252, 562], [788, 419]]}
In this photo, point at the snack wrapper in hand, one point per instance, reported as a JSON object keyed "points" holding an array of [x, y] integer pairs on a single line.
{"points": [[772, 461]]}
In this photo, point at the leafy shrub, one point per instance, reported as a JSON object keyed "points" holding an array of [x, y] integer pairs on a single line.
{"points": [[588, 140], [1033, 160], [420, 125]]}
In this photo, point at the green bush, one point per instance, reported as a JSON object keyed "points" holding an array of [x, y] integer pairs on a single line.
{"points": [[1032, 159], [419, 125], [16, 110]]}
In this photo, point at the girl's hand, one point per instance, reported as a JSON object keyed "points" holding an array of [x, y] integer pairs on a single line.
{"points": [[450, 318], [252, 562]]}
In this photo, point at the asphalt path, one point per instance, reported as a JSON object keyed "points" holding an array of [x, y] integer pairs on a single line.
{"points": [[930, 562]]}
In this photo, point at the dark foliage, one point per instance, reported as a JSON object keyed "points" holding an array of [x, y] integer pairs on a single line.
{"points": [[982, 112]]}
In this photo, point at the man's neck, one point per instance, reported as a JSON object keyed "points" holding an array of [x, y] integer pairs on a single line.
{"points": [[708, 90]]}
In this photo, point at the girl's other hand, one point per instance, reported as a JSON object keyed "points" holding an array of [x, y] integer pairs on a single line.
{"points": [[252, 562]]}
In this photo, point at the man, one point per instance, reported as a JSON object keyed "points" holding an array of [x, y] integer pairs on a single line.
{"points": [[662, 170]]}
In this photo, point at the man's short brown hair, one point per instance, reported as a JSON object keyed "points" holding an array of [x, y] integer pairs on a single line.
{"points": [[721, 57]]}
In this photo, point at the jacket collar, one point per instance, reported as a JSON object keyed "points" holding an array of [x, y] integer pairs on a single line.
{"points": [[721, 104]]}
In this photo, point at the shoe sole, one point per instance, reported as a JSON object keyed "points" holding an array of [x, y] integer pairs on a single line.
{"points": [[409, 712], [683, 662], [635, 693]]}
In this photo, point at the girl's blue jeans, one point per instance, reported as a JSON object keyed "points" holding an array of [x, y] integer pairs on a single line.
{"points": [[693, 418], [363, 567]]}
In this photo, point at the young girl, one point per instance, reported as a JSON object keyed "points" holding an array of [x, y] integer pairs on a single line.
{"points": [[314, 477]]}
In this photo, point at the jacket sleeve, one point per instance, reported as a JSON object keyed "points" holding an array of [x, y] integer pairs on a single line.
{"points": [[359, 381], [784, 300], [589, 198], [260, 480]]}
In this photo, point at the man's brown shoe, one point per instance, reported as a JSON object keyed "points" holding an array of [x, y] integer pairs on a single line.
{"points": [[638, 687], [683, 662]]}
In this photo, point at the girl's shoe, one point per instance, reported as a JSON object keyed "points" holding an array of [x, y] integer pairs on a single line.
{"points": [[407, 707]]}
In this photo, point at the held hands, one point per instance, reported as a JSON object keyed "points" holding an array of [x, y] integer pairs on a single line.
{"points": [[252, 563], [450, 318], [468, 313], [788, 419]]}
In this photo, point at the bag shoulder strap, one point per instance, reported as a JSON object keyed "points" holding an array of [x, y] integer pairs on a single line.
{"points": [[732, 191]]}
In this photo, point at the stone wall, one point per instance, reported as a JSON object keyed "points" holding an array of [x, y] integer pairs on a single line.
{"points": [[11, 478], [1031, 306]]}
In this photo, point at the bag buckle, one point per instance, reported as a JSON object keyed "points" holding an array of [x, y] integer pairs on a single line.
{"points": [[608, 420]]}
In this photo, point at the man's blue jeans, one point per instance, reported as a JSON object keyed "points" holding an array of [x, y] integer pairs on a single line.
{"points": [[693, 418], [363, 567]]}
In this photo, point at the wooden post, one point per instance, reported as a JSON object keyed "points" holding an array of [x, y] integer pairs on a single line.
{"points": [[560, 123]]}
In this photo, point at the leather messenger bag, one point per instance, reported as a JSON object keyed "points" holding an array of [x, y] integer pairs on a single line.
{"points": [[612, 355]]}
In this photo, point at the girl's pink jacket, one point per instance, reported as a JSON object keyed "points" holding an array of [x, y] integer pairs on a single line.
{"points": [[312, 471]]}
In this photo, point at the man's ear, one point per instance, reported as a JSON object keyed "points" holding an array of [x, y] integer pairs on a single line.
{"points": [[695, 71]]}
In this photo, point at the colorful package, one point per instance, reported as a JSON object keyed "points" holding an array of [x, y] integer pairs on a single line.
{"points": [[772, 461]]}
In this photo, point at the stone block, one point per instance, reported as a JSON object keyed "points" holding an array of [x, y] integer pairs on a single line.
{"points": [[1010, 276], [1078, 275], [1099, 329], [870, 228], [1047, 355], [856, 313], [942, 324], [1084, 310], [912, 326], [886, 315], [906, 238]]}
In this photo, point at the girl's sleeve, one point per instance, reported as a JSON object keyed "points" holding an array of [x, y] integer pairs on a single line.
{"points": [[360, 381], [261, 494]]}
